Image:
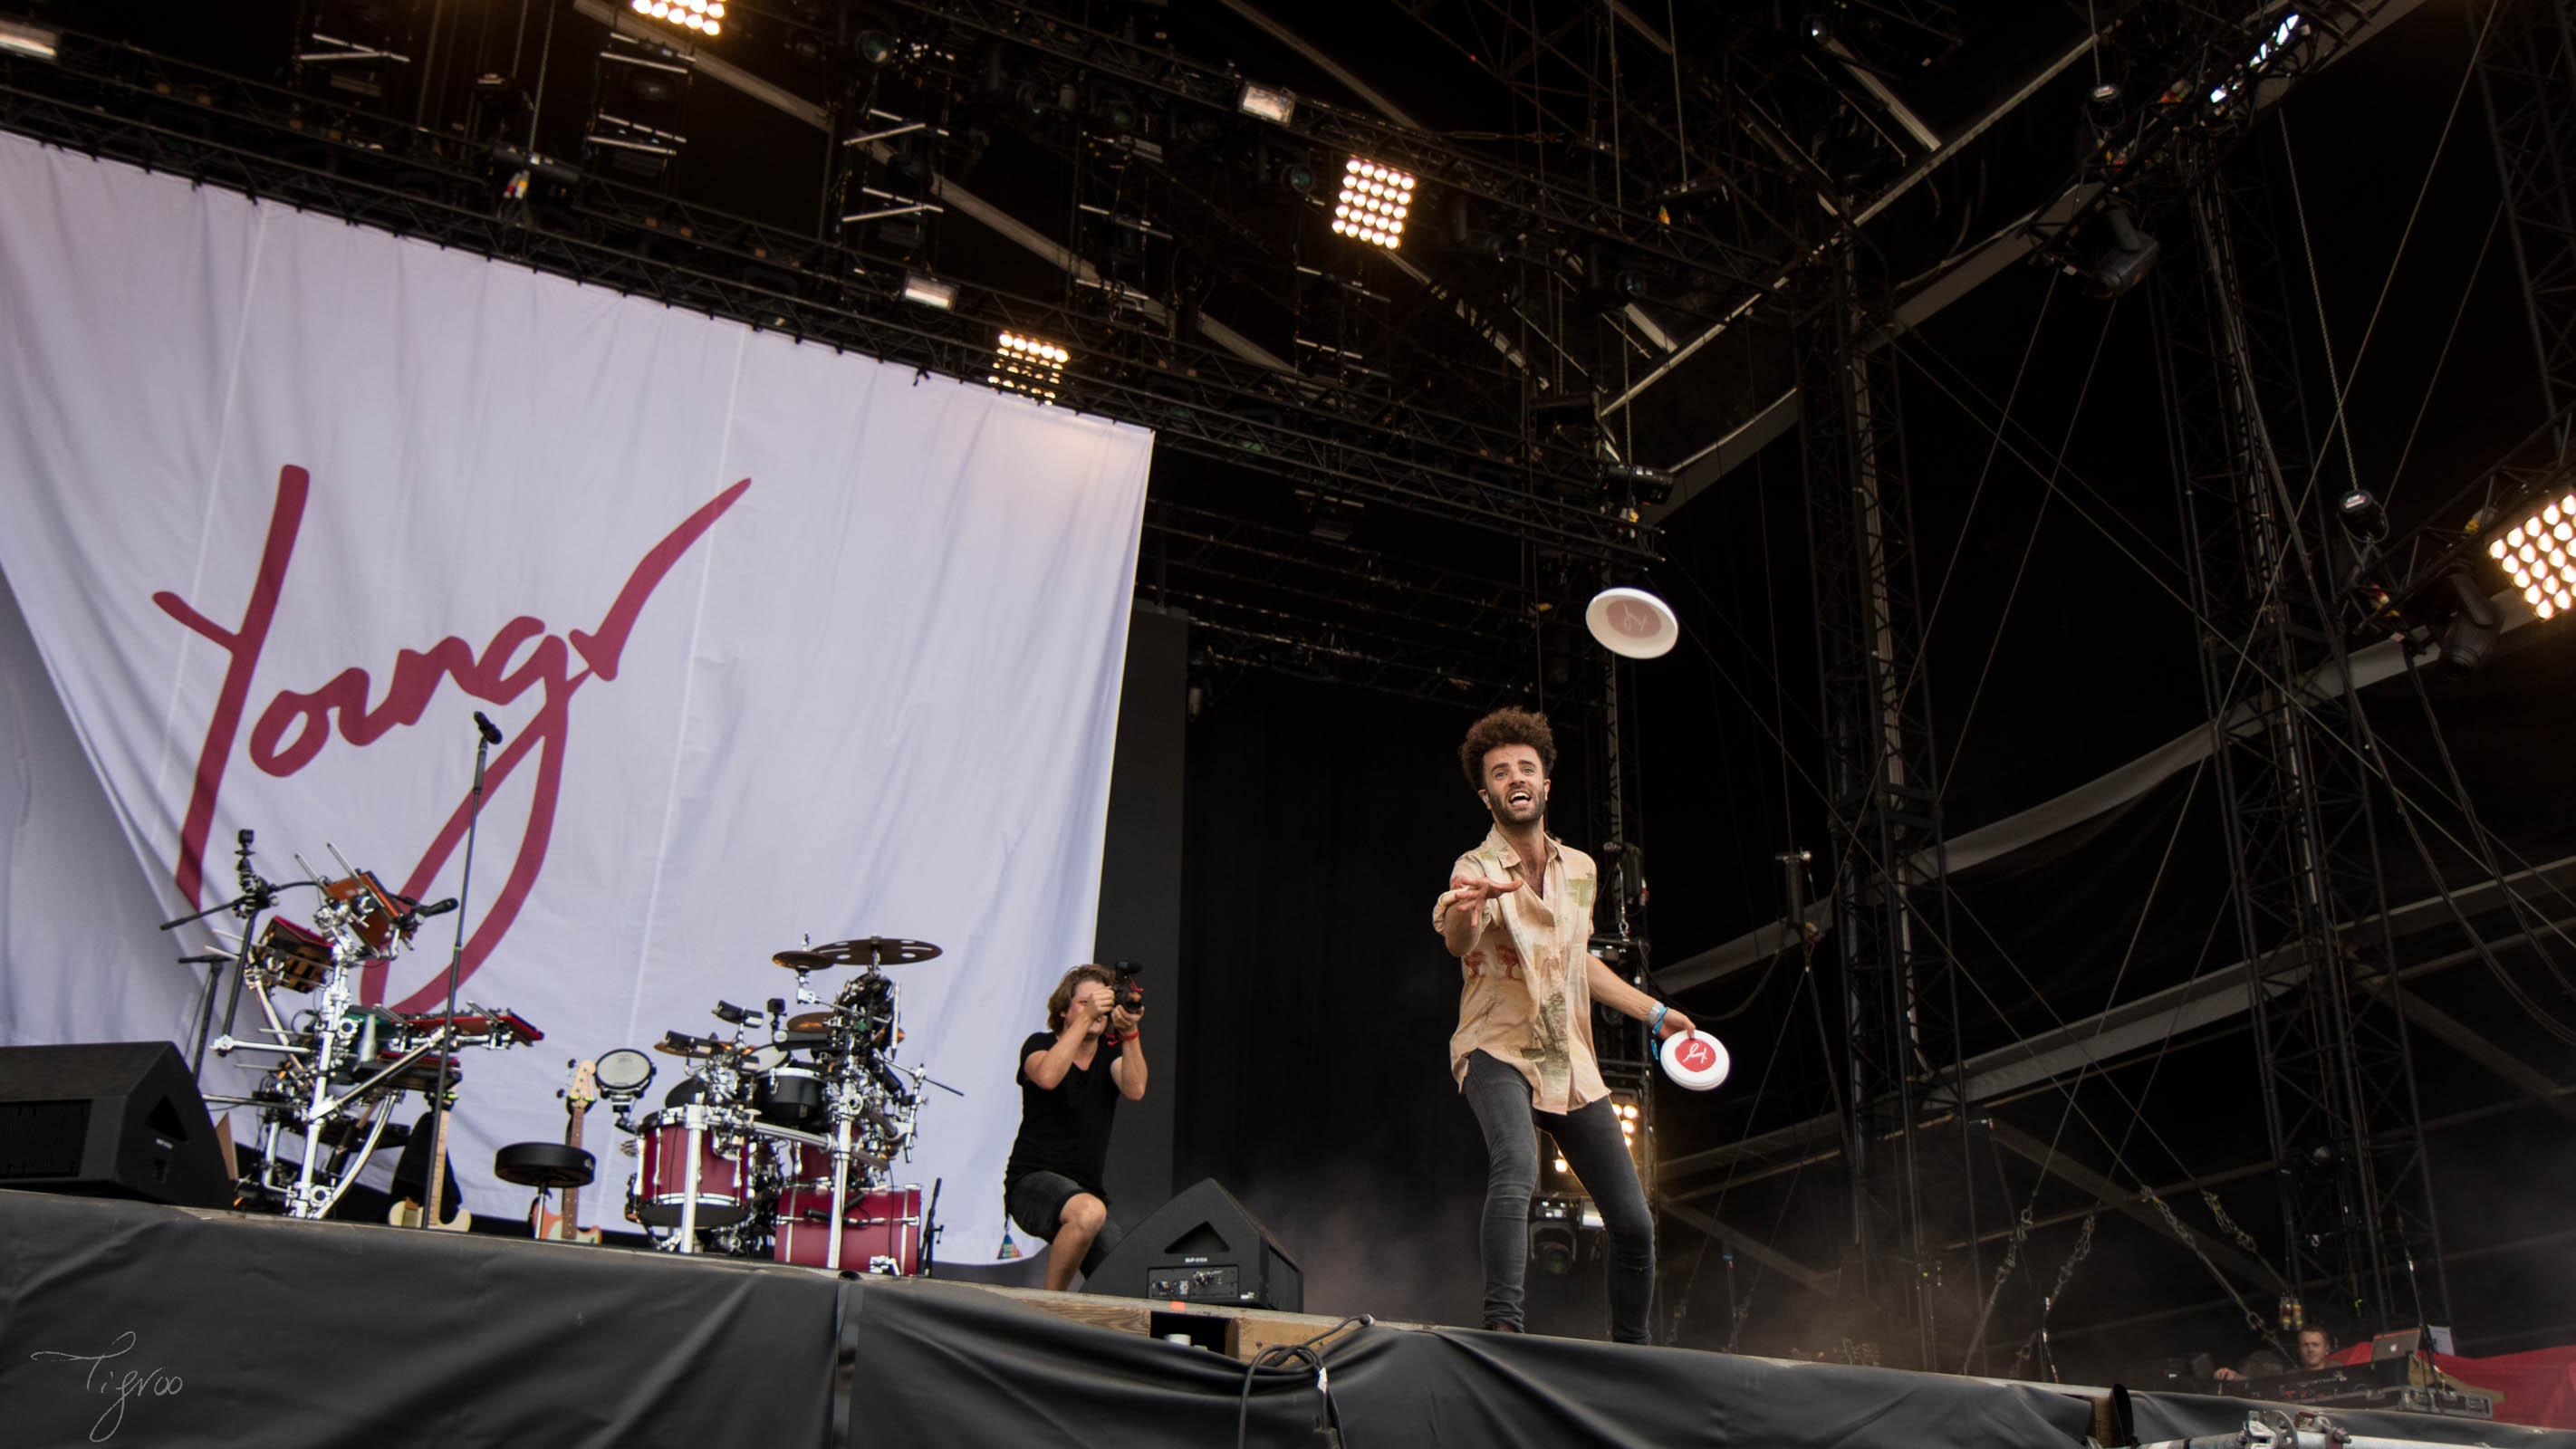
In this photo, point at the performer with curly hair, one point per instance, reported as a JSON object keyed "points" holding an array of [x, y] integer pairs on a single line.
{"points": [[1518, 916]]}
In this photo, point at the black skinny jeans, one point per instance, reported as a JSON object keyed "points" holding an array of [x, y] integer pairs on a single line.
{"points": [[1597, 1151]]}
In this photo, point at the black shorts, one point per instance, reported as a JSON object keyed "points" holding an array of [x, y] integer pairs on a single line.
{"points": [[1035, 1201]]}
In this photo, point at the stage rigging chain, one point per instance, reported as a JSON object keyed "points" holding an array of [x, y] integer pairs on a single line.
{"points": [[2082, 1250], [2253, 1320]]}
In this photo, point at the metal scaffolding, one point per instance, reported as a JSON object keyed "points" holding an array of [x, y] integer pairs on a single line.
{"points": [[1891, 892], [2295, 766]]}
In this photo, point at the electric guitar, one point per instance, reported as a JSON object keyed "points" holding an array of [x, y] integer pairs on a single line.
{"points": [[408, 1214], [565, 1227]]}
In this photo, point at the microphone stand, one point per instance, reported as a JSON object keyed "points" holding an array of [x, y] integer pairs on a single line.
{"points": [[432, 1208]]}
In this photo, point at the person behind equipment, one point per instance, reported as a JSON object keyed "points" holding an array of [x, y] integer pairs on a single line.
{"points": [[1068, 1096], [1518, 916], [2315, 1344]]}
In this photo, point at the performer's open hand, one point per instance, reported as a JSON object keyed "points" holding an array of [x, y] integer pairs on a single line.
{"points": [[1675, 1024], [1469, 891]]}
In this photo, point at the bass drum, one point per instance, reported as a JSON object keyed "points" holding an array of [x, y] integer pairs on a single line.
{"points": [[662, 1175], [880, 1229]]}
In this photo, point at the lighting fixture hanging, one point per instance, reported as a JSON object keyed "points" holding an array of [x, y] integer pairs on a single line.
{"points": [[1030, 366], [702, 17], [2539, 555], [1374, 203]]}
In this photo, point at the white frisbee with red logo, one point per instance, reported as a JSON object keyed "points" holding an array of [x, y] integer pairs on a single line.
{"points": [[1695, 1060]]}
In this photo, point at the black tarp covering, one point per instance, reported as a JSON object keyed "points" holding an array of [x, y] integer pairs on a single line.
{"points": [[957, 1366], [281, 1334], [2160, 1417], [230, 1330]]}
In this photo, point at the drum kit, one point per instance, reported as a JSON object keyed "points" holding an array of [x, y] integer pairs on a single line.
{"points": [[789, 1122], [340, 1065]]}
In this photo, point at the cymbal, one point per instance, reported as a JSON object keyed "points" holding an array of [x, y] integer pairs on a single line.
{"points": [[816, 1023], [878, 951], [804, 960]]}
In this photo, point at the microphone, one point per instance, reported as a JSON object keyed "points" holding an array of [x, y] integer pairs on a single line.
{"points": [[211, 958], [491, 732], [434, 908]]}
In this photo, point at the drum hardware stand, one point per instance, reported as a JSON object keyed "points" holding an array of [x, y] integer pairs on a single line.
{"points": [[486, 735], [694, 1118], [257, 895]]}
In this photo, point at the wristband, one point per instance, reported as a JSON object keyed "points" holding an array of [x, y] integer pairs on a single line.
{"points": [[1655, 1021]]}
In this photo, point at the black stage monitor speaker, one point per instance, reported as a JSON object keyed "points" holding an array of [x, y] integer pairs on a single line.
{"points": [[1204, 1247], [117, 1119]]}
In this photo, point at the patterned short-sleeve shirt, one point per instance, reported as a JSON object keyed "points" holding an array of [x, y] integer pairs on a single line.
{"points": [[1524, 997]]}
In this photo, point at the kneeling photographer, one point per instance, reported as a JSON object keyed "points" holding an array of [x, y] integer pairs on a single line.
{"points": [[1071, 1077]]}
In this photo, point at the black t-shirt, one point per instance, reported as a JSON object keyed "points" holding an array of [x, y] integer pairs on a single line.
{"points": [[1065, 1130]]}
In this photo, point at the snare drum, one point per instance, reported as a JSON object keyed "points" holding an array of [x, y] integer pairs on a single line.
{"points": [[662, 1174], [790, 1095], [880, 1229]]}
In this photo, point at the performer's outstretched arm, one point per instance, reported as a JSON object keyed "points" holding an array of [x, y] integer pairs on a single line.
{"points": [[1461, 912]]}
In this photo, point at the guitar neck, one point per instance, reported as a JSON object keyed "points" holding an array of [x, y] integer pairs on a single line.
{"points": [[437, 1164], [572, 1195]]}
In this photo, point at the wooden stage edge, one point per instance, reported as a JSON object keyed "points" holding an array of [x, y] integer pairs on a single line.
{"points": [[1252, 1330]]}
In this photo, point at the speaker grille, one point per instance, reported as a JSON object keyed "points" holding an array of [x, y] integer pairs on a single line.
{"points": [[42, 1139]]}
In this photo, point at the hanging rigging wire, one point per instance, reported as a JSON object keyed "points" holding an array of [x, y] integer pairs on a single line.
{"points": [[2441, 361], [2337, 422], [2547, 1020], [1976, 495], [2038, 516]]}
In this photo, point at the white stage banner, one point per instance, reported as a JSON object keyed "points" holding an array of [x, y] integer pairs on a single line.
{"points": [[783, 642]]}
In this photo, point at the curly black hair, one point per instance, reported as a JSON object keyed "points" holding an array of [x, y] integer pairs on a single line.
{"points": [[1506, 726]]}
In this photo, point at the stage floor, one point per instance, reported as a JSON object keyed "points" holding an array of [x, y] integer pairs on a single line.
{"points": [[136, 1324]]}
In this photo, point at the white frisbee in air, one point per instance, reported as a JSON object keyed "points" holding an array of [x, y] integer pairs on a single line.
{"points": [[1632, 622], [1695, 1060]]}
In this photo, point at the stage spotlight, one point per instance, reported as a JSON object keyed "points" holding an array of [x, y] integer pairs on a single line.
{"points": [[2363, 516], [2539, 555], [1374, 203], [929, 291], [2127, 259], [19, 38], [702, 17], [1030, 366], [1637, 485], [2470, 636], [1270, 103], [1552, 1241]]}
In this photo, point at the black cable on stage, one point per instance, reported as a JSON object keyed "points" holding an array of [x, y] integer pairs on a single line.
{"points": [[1309, 1353]]}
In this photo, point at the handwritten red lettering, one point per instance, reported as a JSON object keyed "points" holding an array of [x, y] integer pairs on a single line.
{"points": [[296, 726]]}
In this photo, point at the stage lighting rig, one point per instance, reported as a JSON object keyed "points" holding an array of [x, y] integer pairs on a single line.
{"points": [[929, 291], [1374, 203], [1029, 366], [1269, 103], [1554, 1222], [20, 38], [699, 17], [2538, 553]]}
